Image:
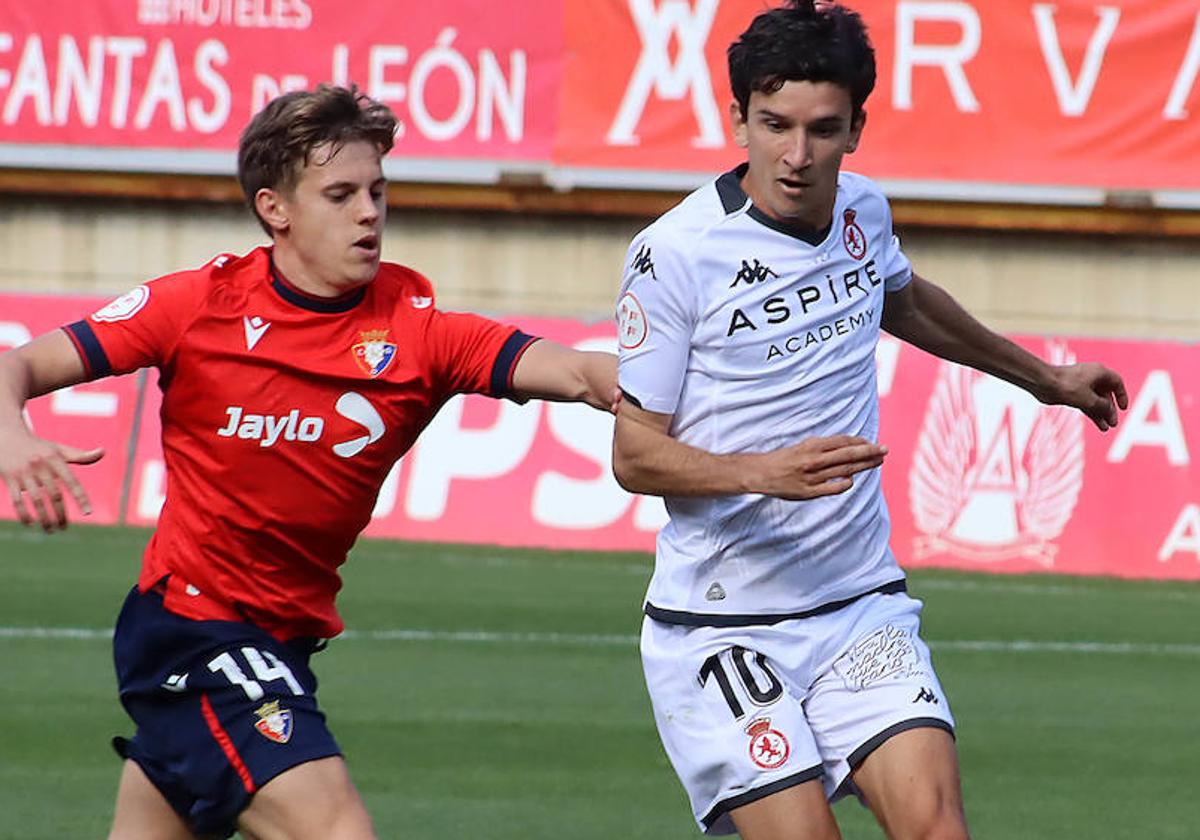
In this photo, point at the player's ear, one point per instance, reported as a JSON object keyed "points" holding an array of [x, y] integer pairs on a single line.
{"points": [[856, 130], [737, 123], [271, 209]]}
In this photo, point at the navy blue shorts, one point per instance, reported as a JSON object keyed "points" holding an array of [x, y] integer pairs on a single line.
{"points": [[221, 708]]}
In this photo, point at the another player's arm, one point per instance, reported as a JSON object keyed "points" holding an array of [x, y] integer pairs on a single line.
{"points": [[646, 459], [35, 470], [925, 315], [550, 371]]}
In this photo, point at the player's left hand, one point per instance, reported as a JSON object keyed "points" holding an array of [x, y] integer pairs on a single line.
{"points": [[1092, 388]]}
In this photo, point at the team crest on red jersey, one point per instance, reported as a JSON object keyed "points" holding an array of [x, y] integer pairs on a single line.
{"points": [[274, 723], [768, 747], [852, 236], [374, 353]]}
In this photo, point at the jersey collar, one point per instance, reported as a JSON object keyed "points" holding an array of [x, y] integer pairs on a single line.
{"points": [[296, 297], [734, 198]]}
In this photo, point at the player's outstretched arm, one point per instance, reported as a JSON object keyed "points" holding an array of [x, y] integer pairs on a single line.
{"points": [[646, 459], [550, 371], [925, 315], [36, 471]]}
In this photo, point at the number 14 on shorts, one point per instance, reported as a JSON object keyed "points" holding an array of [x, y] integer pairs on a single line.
{"points": [[267, 667]]}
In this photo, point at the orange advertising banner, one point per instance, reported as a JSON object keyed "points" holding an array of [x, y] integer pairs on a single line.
{"points": [[1063, 102]]}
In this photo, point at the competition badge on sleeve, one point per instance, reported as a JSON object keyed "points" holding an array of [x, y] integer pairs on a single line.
{"points": [[632, 326], [768, 747], [374, 353], [124, 307], [274, 723]]}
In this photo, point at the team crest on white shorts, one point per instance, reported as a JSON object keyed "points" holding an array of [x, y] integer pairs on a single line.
{"points": [[374, 353], [769, 747], [274, 723], [124, 307]]}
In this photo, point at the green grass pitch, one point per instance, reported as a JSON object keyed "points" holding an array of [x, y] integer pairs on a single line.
{"points": [[497, 694]]}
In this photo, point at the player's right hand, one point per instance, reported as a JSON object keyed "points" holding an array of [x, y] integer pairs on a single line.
{"points": [[36, 471], [819, 466]]}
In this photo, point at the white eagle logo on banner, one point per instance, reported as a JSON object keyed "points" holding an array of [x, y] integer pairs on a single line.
{"points": [[996, 474]]}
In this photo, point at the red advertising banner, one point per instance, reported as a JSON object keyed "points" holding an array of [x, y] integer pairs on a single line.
{"points": [[979, 476], [1012, 100], [1022, 93], [466, 79]]}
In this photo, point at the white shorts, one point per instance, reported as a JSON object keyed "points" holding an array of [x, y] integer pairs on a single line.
{"points": [[744, 712]]}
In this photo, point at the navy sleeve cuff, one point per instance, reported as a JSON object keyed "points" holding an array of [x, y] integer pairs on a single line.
{"points": [[89, 348], [506, 363]]}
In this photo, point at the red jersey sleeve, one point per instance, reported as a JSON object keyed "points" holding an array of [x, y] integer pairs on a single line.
{"points": [[140, 328], [473, 354]]}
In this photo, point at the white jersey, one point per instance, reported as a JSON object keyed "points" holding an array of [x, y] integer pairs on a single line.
{"points": [[753, 339]]}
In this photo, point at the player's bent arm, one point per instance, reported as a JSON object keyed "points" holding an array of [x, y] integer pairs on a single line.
{"points": [[34, 470], [646, 459], [925, 315], [550, 371]]}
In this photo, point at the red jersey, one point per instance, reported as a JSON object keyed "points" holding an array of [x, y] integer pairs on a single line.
{"points": [[282, 414]]}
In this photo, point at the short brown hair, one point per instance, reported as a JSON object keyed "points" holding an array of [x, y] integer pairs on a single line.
{"points": [[280, 140]]}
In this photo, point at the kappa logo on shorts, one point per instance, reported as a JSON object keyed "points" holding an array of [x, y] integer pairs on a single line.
{"points": [[768, 747], [274, 723]]}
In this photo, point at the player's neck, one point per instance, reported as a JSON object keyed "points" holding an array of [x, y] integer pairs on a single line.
{"points": [[293, 268]]}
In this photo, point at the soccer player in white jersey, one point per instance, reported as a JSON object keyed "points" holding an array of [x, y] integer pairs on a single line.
{"points": [[780, 648]]}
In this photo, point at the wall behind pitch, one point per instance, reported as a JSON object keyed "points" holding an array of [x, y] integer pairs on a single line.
{"points": [[569, 265]]}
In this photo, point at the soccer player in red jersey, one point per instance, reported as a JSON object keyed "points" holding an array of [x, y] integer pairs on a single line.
{"points": [[293, 378]]}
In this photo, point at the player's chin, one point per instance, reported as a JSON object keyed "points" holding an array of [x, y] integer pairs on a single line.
{"points": [[363, 270]]}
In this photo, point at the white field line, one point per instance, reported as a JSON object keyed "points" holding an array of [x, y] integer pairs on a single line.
{"points": [[630, 641]]}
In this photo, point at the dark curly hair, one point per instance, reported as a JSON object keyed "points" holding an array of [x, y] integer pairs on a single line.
{"points": [[803, 42], [280, 140]]}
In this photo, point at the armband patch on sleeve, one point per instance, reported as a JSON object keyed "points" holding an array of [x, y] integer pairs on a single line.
{"points": [[124, 307], [632, 324]]}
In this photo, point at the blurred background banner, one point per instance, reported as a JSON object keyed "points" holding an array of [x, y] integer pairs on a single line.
{"points": [[979, 476], [1066, 102]]}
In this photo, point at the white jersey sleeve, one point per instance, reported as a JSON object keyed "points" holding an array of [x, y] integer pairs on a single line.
{"points": [[897, 269], [656, 316]]}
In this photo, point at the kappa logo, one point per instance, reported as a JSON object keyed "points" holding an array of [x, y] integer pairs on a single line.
{"points": [[255, 328], [270, 429], [768, 747], [996, 475], [421, 302], [375, 353], [852, 236], [124, 307], [642, 262], [926, 695], [752, 274], [274, 723]]}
